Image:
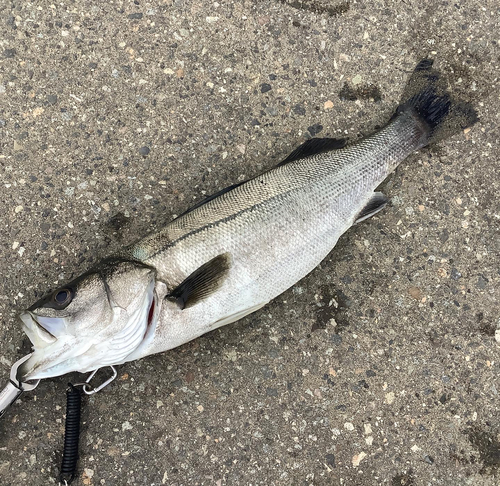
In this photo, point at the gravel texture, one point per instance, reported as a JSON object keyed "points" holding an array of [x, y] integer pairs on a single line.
{"points": [[380, 367]]}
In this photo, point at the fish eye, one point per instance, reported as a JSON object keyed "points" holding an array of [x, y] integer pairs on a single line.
{"points": [[62, 297]]}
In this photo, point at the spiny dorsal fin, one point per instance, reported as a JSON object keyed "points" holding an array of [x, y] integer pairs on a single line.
{"points": [[315, 146], [309, 147], [373, 206], [209, 198], [202, 282]]}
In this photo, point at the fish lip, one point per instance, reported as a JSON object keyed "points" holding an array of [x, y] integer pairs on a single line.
{"points": [[36, 332], [36, 368]]}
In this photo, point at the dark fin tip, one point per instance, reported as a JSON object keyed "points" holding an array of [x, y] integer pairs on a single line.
{"points": [[426, 95], [429, 106], [314, 146], [202, 282], [377, 202]]}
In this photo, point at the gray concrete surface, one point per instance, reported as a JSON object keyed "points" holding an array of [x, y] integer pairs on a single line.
{"points": [[381, 367]]}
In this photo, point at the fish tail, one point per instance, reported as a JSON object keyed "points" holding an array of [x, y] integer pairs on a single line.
{"points": [[427, 98]]}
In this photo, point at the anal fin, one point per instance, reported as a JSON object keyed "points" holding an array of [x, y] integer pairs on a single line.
{"points": [[202, 282], [376, 203], [236, 316]]}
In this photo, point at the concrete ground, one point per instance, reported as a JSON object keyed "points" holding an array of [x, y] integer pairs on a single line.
{"points": [[380, 367]]}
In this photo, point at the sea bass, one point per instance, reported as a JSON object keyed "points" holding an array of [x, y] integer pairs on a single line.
{"points": [[233, 253]]}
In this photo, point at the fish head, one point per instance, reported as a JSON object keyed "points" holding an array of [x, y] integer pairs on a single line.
{"points": [[93, 321]]}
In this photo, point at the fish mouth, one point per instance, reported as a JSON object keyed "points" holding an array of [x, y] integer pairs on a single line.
{"points": [[37, 333], [49, 351]]}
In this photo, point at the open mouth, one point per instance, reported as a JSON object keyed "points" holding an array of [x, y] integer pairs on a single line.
{"points": [[40, 331], [37, 330], [49, 354]]}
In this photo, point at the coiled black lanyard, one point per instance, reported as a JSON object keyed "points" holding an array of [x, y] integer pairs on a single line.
{"points": [[71, 434], [72, 426]]}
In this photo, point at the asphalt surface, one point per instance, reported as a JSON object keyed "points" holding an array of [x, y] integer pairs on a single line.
{"points": [[380, 367]]}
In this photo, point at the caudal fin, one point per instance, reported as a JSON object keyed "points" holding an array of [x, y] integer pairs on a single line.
{"points": [[427, 97]]}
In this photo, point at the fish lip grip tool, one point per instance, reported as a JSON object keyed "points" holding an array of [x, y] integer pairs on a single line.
{"points": [[15, 388]]}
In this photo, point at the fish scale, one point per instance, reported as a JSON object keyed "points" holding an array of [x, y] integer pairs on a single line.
{"points": [[230, 255], [276, 227]]}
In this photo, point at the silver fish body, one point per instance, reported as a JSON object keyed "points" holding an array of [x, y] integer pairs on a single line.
{"points": [[233, 254], [276, 228]]}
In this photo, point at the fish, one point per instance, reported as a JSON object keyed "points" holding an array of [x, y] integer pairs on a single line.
{"points": [[234, 252]]}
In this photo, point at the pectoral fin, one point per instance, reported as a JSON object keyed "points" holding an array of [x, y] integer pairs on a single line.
{"points": [[202, 282], [374, 205]]}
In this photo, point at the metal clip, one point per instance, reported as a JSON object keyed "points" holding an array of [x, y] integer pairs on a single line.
{"points": [[15, 388], [90, 389]]}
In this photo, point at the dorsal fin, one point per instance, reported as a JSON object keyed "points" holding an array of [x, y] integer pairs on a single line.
{"points": [[209, 198], [309, 147], [202, 282], [315, 146], [373, 206]]}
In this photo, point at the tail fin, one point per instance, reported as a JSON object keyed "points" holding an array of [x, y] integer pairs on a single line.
{"points": [[427, 98]]}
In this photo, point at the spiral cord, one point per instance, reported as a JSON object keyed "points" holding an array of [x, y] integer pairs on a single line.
{"points": [[71, 434]]}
